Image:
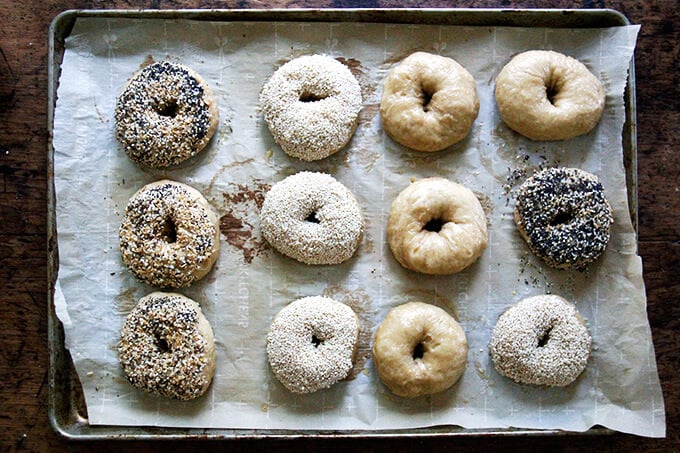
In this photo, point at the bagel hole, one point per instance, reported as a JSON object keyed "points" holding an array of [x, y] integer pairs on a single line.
{"points": [[162, 345], [551, 91], [169, 232], [434, 225], [316, 341], [561, 218], [168, 109], [312, 218], [311, 97], [426, 97], [543, 340], [418, 351]]}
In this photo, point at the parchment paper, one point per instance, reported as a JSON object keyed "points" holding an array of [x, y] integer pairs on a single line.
{"points": [[251, 283]]}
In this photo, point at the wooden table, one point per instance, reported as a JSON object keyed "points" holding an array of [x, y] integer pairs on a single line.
{"points": [[23, 178]]}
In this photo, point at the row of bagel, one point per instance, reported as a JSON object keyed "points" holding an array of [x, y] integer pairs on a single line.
{"points": [[170, 237]]}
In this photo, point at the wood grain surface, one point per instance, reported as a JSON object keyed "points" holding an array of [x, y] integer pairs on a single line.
{"points": [[24, 26]]}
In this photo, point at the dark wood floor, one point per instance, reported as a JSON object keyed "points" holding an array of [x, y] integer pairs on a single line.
{"points": [[23, 207]]}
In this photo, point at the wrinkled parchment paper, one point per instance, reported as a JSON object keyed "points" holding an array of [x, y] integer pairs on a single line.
{"points": [[251, 282]]}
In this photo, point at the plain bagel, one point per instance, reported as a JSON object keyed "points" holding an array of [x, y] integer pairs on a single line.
{"points": [[429, 102], [545, 95], [436, 226], [419, 349]]}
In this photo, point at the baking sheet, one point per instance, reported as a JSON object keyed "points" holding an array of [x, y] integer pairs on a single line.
{"points": [[94, 291]]}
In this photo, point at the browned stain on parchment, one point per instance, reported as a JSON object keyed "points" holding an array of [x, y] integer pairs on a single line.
{"points": [[368, 112], [365, 154], [367, 157], [367, 242], [397, 57], [429, 296], [148, 60], [358, 301], [243, 204], [125, 301], [487, 205], [216, 177], [368, 87]]}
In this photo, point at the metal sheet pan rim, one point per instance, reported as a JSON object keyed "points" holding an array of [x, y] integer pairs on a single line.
{"points": [[62, 382]]}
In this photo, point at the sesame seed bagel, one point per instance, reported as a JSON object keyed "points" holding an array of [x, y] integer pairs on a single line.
{"points": [[165, 114], [545, 95], [542, 340], [312, 218], [311, 343], [419, 349], [311, 105], [436, 226], [564, 217], [169, 236], [429, 102], [167, 347]]}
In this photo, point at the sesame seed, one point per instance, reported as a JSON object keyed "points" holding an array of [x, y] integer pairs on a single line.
{"points": [[167, 347], [311, 105], [165, 114], [312, 218], [311, 343], [541, 340], [146, 249], [563, 215]]}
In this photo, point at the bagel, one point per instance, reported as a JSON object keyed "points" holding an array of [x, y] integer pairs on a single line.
{"points": [[165, 114], [311, 105], [311, 343], [419, 349], [542, 340], [436, 226], [313, 218], [429, 102], [167, 347], [169, 236], [545, 95]]}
